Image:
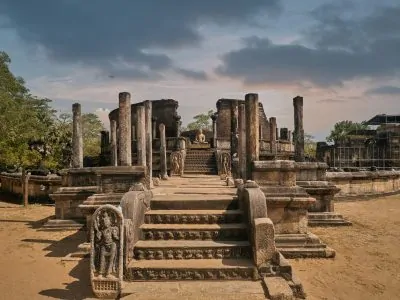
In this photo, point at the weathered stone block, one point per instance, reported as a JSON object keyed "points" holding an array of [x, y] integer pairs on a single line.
{"points": [[278, 288], [264, 243]]}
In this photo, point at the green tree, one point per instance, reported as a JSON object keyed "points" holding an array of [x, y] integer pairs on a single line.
{"points": [[310, 145], [342, 129], [201, 121], [91, 127]]}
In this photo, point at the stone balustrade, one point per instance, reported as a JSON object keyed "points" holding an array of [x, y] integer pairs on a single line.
{"points": [[39, 186]]}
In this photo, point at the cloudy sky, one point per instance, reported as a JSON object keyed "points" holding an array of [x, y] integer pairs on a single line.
{"points": [[343, 57]]}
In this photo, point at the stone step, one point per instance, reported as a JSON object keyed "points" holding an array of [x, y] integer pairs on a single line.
{"points": [[193, 216], [195, 190], [201, 172], [193, 290], [307, 252], [324, 222], [323, 215], [191, 250], [196, 269], [194, 202], [233, 231], [61, 225]]}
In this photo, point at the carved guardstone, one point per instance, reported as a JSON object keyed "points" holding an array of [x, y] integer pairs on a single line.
{"points": [[106, 253]]}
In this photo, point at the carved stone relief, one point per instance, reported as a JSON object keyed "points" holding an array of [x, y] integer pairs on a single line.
{"points": [[177, 163], [106, 257], [224, 164]]}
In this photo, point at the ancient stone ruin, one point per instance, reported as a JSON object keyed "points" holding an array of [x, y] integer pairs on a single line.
{"points": [[231, 204]]}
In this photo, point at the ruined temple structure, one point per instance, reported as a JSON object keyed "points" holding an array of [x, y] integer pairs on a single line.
{"points": [[231, 204], [366, 149]]}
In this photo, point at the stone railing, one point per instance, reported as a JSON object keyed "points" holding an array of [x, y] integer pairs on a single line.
{"points": [[365, 184], [39, 186]]}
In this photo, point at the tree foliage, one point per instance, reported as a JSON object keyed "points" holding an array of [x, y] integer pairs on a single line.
{"points": [[310, 145], [201, 121], [342, 129], [31, 134]]}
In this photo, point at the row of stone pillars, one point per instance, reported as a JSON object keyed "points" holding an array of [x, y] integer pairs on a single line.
{"points": [[248, 148], [121, 134]]}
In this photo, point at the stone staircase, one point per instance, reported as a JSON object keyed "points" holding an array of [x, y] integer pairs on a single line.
{"points": [[194, 231], [200, 162]]}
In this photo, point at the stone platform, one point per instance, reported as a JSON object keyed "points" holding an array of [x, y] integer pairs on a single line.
{"points": [[327, 219]]}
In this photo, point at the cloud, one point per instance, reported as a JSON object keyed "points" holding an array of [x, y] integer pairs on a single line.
{"points": [[331, 101], [338, 48], [384, 90], [116, 37], [191, 74]]}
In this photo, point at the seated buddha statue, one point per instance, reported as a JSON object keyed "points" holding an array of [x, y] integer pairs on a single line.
{"points": [[200, 137]]}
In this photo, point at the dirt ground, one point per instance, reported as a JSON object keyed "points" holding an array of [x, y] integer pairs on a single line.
{"points": [[366, 266]]}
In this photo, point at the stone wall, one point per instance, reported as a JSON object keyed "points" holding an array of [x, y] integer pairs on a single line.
{"points": [[224, 118], [364, 184], [39, 186], [163, 110]]}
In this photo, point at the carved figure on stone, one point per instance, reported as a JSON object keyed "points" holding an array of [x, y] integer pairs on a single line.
{"points": [[176, 163], [225, 165], [200, 137], [107, 236], [106, 251]]}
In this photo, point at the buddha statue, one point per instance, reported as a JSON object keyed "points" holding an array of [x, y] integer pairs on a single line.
{"points": [[200, 137]]}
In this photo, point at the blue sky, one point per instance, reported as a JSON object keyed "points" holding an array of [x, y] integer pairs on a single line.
{"points": [[341, 56]]}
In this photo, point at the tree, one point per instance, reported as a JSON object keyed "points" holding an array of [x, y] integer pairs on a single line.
{"points": [[310, 145], [201, 121], [91, 127], [342, 129], [30, 132]]}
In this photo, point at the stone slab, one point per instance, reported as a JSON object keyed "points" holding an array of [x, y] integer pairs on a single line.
{"points": [[278, 288], [191, 290]]}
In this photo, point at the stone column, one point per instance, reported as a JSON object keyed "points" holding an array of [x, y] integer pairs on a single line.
{"points": [[234, 128], [154, 122], [141, 135], [134, 132], [178, 125], [298, 129], [272, 134], [114, 152], [104, 142], [163, 153], [252, 132], [124, 139], [284, 134], [149, 142], [77, 138], [214, 127], [242, 140]]}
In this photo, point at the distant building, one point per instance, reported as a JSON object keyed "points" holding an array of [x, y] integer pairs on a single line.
{"points": [[360, 149]]}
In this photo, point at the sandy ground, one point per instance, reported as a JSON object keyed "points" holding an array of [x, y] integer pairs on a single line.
{"points": [[366, 266]]}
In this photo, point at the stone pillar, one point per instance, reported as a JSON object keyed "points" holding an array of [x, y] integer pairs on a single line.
{"points": [[234, 128], [141, 135], [242, 140], [272, 134], [214, 127], [252, 132], [124, 139], [149, 142], [77, 138], [290, 136], [104, 142], [114, 152], [284, 134], [134, 133], [298, 129], [177, 119], [154, 126], [163, 153]]}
